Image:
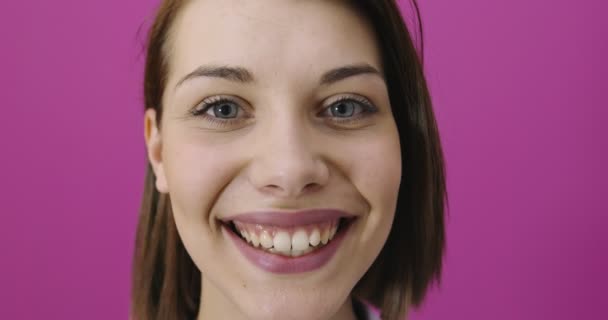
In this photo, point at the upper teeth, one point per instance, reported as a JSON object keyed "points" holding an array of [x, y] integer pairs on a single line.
{"points": [[289, 241]]}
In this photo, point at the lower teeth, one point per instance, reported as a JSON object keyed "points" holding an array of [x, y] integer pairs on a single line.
{"points": [[292, 253]]}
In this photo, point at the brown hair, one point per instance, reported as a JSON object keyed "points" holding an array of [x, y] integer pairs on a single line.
{"points": [[166, 282]]}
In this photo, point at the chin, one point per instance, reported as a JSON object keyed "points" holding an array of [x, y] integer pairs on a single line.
{"points": [[293, 305]]}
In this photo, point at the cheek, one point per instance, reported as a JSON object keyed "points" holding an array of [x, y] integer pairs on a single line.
{"points": [[376, 172], [196, 171]]}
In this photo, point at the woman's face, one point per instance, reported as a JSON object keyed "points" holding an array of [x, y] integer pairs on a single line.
{"points": [[276, 129]]}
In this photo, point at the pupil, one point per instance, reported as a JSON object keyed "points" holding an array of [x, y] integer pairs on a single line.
{"points": [[225, 110], [343, 110]]}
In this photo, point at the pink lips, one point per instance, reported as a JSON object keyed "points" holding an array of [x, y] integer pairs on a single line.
{"points": [[290, 219], [282, 264]]}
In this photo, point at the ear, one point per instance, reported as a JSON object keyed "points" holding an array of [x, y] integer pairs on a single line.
{"points": [[154, 146]]}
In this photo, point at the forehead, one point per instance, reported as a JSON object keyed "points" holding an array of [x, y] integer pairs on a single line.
{"points": [[272, 38]]}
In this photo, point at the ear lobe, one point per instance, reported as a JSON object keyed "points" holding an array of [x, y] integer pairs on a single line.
{"points": [[154, 149]]}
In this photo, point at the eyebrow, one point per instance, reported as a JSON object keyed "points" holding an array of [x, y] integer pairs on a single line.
{"points": [[235, 74], [244, 76], [341, 73]]}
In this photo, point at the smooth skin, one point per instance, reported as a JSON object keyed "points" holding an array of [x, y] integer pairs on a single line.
{"points": [[264, 126]]}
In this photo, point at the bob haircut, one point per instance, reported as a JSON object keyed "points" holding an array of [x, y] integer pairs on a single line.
{"points": [[167, 284]]}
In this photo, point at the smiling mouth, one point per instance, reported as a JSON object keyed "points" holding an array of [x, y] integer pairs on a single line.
{"points": [[293, 241]]}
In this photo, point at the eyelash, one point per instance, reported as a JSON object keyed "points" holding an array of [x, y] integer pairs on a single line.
{"points": [[201, 110]]}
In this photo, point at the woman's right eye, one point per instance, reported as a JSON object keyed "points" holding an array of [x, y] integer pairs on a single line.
{"points": [[219, 109], [221, 112], [224, 110]]}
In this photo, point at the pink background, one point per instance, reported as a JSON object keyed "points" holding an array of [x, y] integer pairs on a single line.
{"points": [[520, 92]]}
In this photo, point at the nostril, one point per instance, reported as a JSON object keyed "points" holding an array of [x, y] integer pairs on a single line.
{"points": [[278, 190], [311, 187], [272, 187]]}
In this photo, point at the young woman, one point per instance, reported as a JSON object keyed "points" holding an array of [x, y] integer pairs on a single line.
{"points": [[295, 169]]}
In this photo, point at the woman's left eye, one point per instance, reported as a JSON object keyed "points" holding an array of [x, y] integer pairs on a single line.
{"points": [[347, 108], [344, 109]]}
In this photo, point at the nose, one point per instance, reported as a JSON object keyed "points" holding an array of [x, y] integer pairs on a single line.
{"points": [[288, 161]]}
